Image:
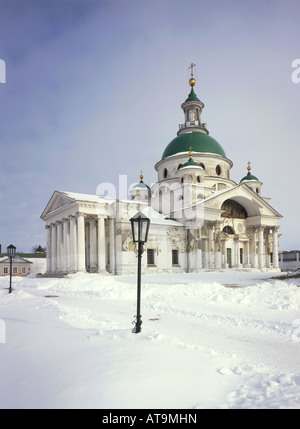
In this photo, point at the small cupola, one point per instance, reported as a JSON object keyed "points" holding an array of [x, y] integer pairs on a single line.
{"points": [[191, 171], [141, 191], [252, 181]]}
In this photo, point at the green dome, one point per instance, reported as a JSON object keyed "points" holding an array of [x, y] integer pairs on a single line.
{"points": [[198, 141], [190, 163], [141, 185], [249, 177], [192, 96]]}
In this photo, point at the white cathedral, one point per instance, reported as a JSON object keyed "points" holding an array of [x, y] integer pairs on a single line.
{"points": [[200, 218]]}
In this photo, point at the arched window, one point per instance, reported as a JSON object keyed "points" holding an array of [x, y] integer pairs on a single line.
{"points": [[218, 170], [198, 179], [165, 173], [202, 165], [228, 230]]}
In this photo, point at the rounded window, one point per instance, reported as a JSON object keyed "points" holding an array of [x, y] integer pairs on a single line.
{"points": [[179, 166], [228, 230], [202, 165], [165, 173], [218, 170], [198, 179]]}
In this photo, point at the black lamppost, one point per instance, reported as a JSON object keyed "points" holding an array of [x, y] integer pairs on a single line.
{"points": [[11, 252], [140, 227]]}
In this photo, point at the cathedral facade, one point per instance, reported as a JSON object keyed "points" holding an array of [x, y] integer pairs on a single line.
{"points": [[200, 218]]}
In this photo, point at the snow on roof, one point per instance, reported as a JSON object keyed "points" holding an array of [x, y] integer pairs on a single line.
{"points": [[158, 218], [86, 197], [16, 260]]}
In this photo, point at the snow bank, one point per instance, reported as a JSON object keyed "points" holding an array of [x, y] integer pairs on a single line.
{"points": [[209, 340]]}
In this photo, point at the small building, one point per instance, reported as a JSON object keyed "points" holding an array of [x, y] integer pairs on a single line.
{"points": [[20, 266], [289, 261]]}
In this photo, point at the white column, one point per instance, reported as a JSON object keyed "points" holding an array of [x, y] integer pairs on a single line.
{"points": [[80, 243], [112, 245], [260, 246], [275, 247], [53, 248], [59, 247], [206, 259], [267, 247], [93, 246], [73, 245], [247, 260], [66, 246], [237, 253], [48, 229], [101, 245], [218, 261], [198, 250], [253, 247], [210, 243]]}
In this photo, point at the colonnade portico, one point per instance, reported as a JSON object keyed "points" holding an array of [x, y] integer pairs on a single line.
{"points": [[214, 249], [77, 243]]}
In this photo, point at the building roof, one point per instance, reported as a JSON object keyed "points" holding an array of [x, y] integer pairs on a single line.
{"points": [[192, 96], [200, 143], [141, 185], [16, 260], [249, 177], [190, 164]]}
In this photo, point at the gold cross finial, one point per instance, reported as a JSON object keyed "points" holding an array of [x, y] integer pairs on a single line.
{"points": [[141, 175], [192, 80], [190, 152], [249, 166]]}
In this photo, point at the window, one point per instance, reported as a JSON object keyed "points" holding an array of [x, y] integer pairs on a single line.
{"points": [[241, 256], [218, 170], [198, 179], [175, 257], [165, 173], [23, 270], [179, 166], [15, 270], [202, 165], [228, 230], [5, 270], [150, 256]]}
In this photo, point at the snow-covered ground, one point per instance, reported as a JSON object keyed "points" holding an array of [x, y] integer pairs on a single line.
{"points": [[209, 340]]}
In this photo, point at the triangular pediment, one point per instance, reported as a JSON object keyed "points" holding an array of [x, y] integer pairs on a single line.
{"points": [[56, 202], [254, 204]]}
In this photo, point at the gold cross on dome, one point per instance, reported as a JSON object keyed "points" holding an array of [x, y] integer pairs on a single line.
{"points": [[192, 69]]}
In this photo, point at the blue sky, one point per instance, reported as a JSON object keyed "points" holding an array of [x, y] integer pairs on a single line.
{"points": [[93, 91]]}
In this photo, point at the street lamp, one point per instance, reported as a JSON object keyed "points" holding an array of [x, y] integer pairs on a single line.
{"points": [[11, 252], [140, 228]]}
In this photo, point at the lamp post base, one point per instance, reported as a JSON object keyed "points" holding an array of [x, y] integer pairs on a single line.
{"points": [[138, 325]]}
